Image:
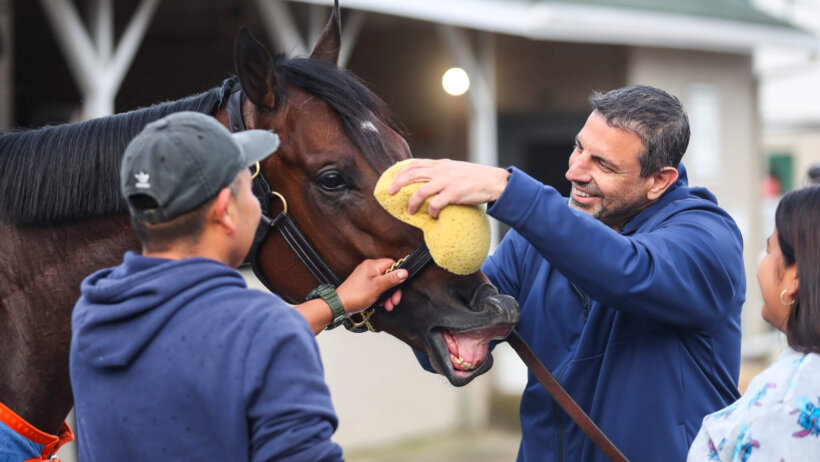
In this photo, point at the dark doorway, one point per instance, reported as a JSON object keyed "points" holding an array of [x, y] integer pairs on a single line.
{"points": [[546, 161], [540, 146]]}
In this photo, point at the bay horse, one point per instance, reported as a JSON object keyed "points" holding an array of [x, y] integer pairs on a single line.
{"points": [[62, 218]]}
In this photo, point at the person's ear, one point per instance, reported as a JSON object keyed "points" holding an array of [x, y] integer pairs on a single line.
{"points": [[791, 282], [222, 211], [660, 181]]}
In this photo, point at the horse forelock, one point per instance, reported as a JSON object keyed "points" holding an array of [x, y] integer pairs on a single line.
{"points": [[360, 110], [70, 172]]}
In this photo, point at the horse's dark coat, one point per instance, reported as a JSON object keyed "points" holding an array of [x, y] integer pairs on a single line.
{"points": [[62, 217]]}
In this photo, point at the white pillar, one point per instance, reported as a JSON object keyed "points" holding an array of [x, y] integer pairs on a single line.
{"points": [[101, 24], [281, 27], [482, 125], [285, 36], [6, 64], [97, 68], [351, 26], [317, 17]]}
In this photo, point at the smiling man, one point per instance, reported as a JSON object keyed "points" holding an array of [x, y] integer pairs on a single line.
{"points": [[631, 295]]}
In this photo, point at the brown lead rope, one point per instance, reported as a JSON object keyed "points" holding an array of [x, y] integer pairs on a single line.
{"points": [[563, 398]]}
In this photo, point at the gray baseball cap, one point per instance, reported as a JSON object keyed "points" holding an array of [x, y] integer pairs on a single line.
{"points": [[183, 160]]}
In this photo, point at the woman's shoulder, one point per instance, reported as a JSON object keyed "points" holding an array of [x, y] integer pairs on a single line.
{"points": [[805, 365], [802, 396], [778, 414], [792, 373]]}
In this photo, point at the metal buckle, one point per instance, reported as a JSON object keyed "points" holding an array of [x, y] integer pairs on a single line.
{"points": [[368, 312], [365, 319], [281, 198], [256, 173]]}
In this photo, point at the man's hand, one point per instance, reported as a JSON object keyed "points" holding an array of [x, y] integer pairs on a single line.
{"points": [[451, 182], [364, 285]]}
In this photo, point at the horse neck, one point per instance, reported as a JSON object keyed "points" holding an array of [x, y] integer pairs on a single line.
{"points": [[43, 262], [36, 301]]}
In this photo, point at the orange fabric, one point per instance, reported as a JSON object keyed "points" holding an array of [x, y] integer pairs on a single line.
{"points": [[51, 443]]}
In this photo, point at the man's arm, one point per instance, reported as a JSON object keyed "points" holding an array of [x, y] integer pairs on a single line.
{"points": [[360, 290], [503, 267], [686, 273]]}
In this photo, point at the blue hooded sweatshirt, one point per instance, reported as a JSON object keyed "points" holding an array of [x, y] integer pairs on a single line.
{"points": [[641, 327], [179, 360]]}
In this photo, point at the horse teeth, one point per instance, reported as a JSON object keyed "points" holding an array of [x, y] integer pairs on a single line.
{"points": [[465, 365]]}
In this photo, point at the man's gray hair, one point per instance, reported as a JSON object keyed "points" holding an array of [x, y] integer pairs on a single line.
{"points": [[654, 115]]}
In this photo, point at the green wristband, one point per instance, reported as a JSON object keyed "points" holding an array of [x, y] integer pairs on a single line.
{"points": [[328, 293]]}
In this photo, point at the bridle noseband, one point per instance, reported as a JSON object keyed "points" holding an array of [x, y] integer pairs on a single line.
{"points": [[297, 240]]}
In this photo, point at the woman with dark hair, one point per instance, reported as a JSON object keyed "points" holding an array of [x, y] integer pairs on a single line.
{"points": [[779, 416]]}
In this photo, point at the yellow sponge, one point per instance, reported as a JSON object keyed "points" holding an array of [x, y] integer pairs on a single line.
{"points": [[458, 239]]}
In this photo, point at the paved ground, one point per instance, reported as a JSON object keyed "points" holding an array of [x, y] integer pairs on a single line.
{"points": [[488, 445]]}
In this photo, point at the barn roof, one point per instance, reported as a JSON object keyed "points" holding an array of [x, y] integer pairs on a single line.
{"points": [[715, 25]]}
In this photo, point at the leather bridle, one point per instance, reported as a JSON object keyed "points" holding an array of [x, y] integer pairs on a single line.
{"points": [[299, 243]]}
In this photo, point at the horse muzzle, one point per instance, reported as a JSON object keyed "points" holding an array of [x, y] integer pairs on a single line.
{"points": [[459, 343]]}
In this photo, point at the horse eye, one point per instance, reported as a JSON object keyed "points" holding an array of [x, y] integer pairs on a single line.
{"points": [[331, 181]]}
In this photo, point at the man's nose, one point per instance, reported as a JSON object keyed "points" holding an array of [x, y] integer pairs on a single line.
{"points": [[578, 171]]}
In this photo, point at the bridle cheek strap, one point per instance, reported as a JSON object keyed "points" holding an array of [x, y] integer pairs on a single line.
{"points": [[318, 267], [297, 240], [234, 108], [307, 254]]}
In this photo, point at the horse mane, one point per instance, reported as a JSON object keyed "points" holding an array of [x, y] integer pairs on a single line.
{"points": [[357, 106], [69, 172]]}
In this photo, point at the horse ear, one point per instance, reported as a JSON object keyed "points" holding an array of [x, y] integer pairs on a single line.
{"points": [[254, 67], [330, 42]]}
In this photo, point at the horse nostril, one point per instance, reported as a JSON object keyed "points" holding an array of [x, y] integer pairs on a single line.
{"points": [[459, 295], [481, 294], [487, 299], [505, 305]]}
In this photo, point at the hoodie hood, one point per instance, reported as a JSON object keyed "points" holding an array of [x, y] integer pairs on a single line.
{"points": [[123, 308], [703, 193], [679, 191]]}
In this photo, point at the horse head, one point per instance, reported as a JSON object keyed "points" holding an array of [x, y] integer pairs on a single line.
{"points": [[336, 139]]}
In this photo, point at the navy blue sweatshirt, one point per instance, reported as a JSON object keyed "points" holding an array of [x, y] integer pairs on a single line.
{"points": [[641, 327], [657, 345], [179, 360]]}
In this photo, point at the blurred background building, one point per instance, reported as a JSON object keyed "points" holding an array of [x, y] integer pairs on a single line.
{"points": [[789, 96], [746, 71]]}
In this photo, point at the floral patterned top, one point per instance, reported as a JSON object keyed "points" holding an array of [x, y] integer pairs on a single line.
{"points": [[777, 419]]}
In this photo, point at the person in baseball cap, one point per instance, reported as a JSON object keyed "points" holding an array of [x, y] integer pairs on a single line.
{"points": [[200, 366], [180, 162]]}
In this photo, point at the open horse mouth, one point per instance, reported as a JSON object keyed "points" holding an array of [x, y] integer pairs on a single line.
{"points": [[460, 342], [469, 349]]}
